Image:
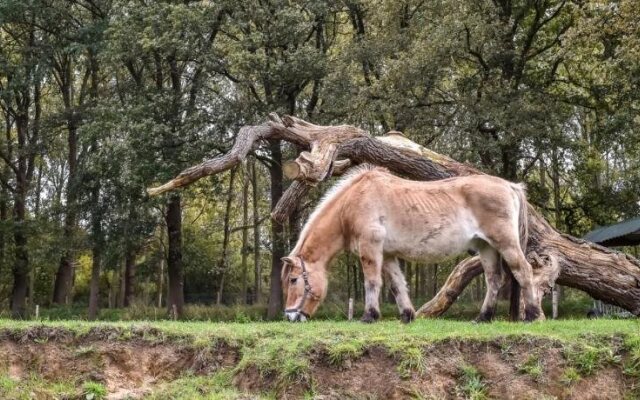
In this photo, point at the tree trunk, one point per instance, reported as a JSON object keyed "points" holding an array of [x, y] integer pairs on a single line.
{"points": [[159, 285], [434, 282], [122, 277], [245, 232], [4, 219], [97, 240], [422, 294], [223, 263], [129, 277], [21, 252], [354, 273], [64, 276], [94, 288], [21, 261], [277, 233], [257, 274], [173, 219]]}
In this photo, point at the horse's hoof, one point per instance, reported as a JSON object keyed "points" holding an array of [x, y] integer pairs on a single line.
{"points": [[531, 314], [484, 317], [370, 316], [408, 315]]}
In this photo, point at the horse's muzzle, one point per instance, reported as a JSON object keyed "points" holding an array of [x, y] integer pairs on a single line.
{"points": [[295, 316]]}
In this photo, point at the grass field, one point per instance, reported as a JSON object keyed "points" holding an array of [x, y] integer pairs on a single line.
{"points": [[276, 358]]}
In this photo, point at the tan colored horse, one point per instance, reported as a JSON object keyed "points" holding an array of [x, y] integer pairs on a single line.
{"points": [[382, 218]]}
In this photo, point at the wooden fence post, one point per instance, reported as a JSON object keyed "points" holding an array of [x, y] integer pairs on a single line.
{"points": [[350, 314], [555, 296]]}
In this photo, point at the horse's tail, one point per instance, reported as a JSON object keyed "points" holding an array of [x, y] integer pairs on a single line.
{"points": [[523, 231]]}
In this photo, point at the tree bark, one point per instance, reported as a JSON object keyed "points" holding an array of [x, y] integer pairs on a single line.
{"points": [[257, 273], [160, 281], [223, 262], [129, 277], [23, 175], [21, 261], [459, 278], [97, 241], [94, 288], [173, 219], [64, 276], [604, 274], [245, 232], [277, 233]]}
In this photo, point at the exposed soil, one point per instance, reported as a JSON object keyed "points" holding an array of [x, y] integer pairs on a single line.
{"points": [[132, 366], [129, 367]]}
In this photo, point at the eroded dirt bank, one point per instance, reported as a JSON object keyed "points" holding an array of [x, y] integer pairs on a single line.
{"points": [[140, 362]]}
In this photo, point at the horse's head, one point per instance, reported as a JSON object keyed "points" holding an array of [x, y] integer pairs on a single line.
{"points": [[305, 284]]}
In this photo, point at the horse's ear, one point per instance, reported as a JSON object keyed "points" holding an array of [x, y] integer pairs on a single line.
{"points": [[287, 260], [287, 263]]}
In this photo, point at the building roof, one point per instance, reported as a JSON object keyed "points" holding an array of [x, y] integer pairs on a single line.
{"points": [[625, 233]]}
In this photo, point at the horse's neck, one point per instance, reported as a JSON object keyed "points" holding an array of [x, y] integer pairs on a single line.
{"points": [[325, 239]]}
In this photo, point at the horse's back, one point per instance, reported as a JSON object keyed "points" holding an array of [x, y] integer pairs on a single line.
{"points": [[424, 220]]}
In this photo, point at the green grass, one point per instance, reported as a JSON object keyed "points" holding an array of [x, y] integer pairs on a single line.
{"points": [[94, 390], [301, 333], [35, 387], [214, 387], [471, 385], [532, 366]]}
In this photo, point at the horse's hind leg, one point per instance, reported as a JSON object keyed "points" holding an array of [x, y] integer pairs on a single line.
{"points": [[398, 284], [371, 259], [494, 277], [522, 271]]}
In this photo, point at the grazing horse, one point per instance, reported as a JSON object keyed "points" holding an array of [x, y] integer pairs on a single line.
{"points": [[382, 217]]}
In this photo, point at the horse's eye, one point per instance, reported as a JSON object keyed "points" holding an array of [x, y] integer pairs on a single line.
{"points": [[293, 280]]}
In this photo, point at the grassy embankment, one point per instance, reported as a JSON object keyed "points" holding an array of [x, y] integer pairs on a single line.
{"points": [[283, 355]]}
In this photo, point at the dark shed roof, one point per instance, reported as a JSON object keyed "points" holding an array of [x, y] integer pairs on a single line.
{"points": [[625, 233]]}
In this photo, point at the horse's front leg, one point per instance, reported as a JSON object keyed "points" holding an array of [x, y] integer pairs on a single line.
{"points": [[395, 278], [371, 260], [494, 277]]}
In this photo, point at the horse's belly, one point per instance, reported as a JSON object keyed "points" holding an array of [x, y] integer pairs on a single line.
{"points": [[429, 246]]}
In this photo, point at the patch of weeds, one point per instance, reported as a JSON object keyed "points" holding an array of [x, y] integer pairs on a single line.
{"points": [[126, 335], [532, 367], [34, 387], [416, 394], [631, 365], [587, 359], [471, 386], [295, 370], [505, 349], [340, 352], [411, 360], [6, 383], [94, 391], [282, 358], [218, 386], [570, 376], [84, 351]]}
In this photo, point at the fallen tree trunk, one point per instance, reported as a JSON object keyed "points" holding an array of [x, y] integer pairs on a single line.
{"points": [[604, 274]]}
